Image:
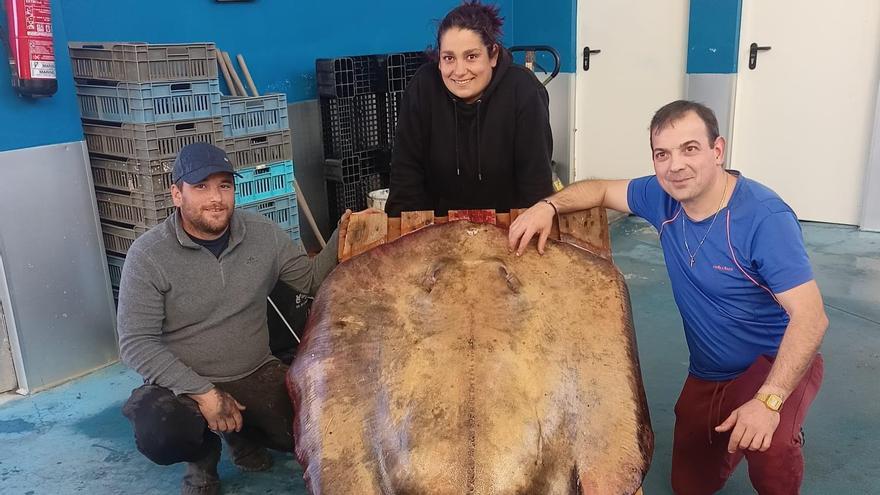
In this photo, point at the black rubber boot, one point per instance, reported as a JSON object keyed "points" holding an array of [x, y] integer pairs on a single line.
{"points": [[201, 477], [247, 455]]}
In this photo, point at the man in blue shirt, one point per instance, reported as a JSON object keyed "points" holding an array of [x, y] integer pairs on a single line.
{"points": [[752, 313]]}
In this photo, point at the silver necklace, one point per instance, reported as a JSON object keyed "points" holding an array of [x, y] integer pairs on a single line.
{"points": [[693, 257]]}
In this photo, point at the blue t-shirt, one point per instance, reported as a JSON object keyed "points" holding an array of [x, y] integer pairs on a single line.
{"points": [[754, 250]]}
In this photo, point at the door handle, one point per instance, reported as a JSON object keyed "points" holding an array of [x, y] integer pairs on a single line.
{"points": [[587, 53], [753, 54]]}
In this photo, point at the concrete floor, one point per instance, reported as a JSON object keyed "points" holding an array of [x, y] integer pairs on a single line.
{"points": [[73, 439]]}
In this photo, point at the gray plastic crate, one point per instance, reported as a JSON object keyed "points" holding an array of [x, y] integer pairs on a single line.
{"points": [[131, 175], [148, 103], [282, 210], [143, 62], [259, 149], [118, 239], [248, 115], [151, 142], [135, 209], [114, 265]]}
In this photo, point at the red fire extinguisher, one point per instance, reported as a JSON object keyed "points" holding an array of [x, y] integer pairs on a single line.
{"points": [[31, 50]]}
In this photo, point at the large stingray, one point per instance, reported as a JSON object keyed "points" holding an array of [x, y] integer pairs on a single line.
{"points": [[441, 364]]}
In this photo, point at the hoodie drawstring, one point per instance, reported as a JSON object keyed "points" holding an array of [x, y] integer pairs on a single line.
{"points": [[479, 155], [479, 163], [457, 165]]}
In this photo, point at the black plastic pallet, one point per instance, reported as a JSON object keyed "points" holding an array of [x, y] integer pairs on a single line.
{"points": [[360, 101], [352, 125], [399, 68], [350, 169], [353, 195], [391, 112], [345, 77]]}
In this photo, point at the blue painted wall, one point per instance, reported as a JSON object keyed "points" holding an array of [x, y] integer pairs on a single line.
{"points": [[548, 22], [24, 122], [279, 38], [713, 36]]}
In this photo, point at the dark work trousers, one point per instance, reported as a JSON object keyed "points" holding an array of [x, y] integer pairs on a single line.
{"points": [[700, 461], [169, 428]]}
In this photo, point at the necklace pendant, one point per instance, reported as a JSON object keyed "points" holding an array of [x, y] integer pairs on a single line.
{"points": [[692, 261]]}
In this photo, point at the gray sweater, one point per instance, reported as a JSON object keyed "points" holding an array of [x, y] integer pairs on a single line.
{"points": [[187, 319]]}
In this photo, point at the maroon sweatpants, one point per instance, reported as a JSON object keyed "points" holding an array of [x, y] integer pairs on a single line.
{"points": [[700, 461]]}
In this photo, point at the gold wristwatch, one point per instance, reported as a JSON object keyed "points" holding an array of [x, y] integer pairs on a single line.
{"points": [[772, 401]]}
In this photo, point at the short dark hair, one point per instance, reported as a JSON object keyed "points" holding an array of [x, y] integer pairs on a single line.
{"points": [[485, 20], [676, 110]]}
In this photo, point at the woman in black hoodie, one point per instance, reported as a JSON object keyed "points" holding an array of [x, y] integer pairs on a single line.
{"points": [[474, 129]]}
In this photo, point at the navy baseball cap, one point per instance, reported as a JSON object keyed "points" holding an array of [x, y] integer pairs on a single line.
{"points": [[197, 161]]}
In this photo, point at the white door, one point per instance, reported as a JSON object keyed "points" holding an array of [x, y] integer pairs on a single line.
{"points": [[803, 116], [640, 68]]}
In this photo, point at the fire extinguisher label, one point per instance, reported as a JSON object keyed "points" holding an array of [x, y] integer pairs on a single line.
{"points": [[42, 70], [37, 18], [36, 50], [42, 58]]}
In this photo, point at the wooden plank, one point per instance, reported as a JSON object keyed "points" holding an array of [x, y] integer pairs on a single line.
{"points": [[226, 77], [587, 229], [366, 230], [415, 220], [393, 229], [475, 216], [343, 226], [554, 229], [515, 213]]}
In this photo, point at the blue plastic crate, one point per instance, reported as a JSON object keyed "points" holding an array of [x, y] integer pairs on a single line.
{"points": [[114, 264], [149, 103], [264, 182], [281, 210], [248, 115]]}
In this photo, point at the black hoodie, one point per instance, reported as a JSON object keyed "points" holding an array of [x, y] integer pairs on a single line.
{"points": [[493, 153]]}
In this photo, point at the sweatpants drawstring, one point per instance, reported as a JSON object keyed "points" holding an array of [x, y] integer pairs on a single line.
{"points": [[712, 406]]}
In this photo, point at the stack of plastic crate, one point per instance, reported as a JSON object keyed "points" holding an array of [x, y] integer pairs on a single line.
{"points": [[140, 104], [359, 97], [257, 141]]}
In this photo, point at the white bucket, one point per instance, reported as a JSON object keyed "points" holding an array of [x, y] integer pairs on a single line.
{"points": [[376, 199]]}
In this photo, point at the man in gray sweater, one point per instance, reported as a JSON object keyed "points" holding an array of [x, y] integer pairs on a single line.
{"points": [[192, 321]]}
